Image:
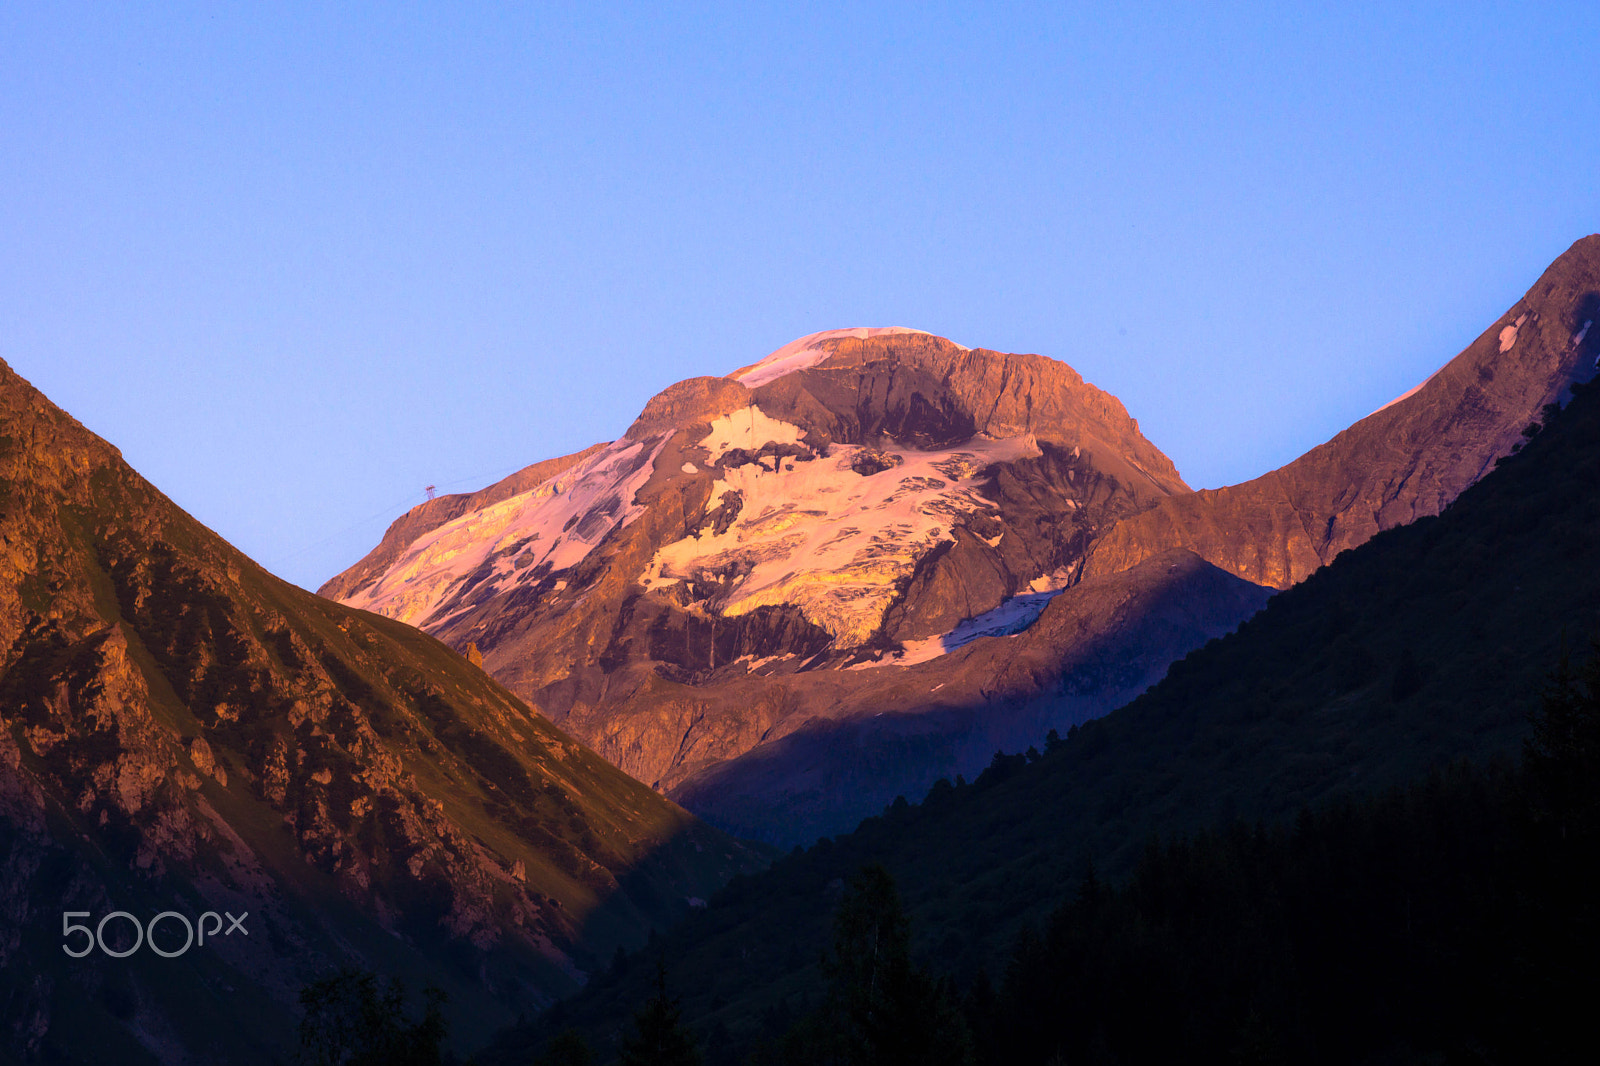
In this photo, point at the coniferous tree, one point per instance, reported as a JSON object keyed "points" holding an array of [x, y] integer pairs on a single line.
{"points": [[888, 1012], [351, 1021], [659, 1037], [1563, 750], [566, 1048], [1561, 933]]}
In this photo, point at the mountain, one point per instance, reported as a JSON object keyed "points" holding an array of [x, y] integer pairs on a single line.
{"points": [[876, 557], [1427, 645], [184, 732], [825, 542]]}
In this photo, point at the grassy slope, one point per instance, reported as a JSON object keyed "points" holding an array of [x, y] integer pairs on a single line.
{"points": [[1421, 647]]}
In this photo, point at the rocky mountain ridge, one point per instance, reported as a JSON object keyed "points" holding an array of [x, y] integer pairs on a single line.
{"points": [[1406, 460]]}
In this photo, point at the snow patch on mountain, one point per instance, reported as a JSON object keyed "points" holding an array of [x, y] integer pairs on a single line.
{"points": [[749, 429], [1412, 391], [1013, 616], [823, 537], [804, 352], [545, 530]]}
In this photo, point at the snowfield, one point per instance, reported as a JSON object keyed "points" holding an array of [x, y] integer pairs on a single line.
{"points": [[546, 529], [820, 535]]}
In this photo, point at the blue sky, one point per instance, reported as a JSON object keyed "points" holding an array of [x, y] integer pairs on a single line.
{"points": [[299, 261]]}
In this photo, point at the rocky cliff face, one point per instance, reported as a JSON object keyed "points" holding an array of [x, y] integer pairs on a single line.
{"points": [[181, 731], [1404, 461]]}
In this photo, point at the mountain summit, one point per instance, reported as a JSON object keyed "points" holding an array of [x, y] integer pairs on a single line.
{"points": [[818, 479], [828, 533]]}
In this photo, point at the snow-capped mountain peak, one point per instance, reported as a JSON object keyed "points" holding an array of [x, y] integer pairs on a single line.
{"points": [[808, 351]]}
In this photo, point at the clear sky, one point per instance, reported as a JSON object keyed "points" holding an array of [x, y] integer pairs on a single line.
{"points": [[299, 261]]}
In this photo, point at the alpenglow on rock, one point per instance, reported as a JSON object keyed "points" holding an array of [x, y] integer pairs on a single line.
{"points": [[754, 546], [1407, 460]]}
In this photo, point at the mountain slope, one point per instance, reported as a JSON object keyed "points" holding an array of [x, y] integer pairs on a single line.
{"points": [[1425, 645], [179, 730], [1406, 460], [426, 517]]}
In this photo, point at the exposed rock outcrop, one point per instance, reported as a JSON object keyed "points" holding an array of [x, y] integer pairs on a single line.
{"points": [[696, 400]]}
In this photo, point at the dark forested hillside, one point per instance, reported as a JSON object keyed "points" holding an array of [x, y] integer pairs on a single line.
{"points": [[1450, 921], [1445, 922], [1425, 646]]}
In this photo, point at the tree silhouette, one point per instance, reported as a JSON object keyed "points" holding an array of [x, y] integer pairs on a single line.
{"points": [[351, 1021], [1563, 749], [887, 1012], [566, 1048], [659, 1037]]}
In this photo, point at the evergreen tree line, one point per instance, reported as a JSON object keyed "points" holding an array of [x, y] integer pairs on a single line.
{"points": [[879, 1008]]}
